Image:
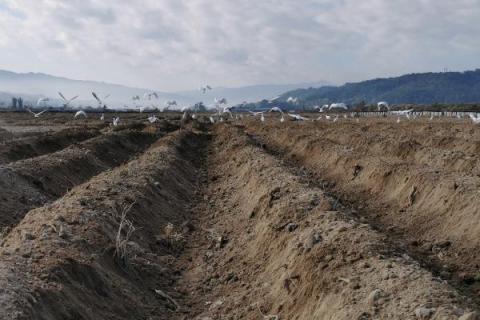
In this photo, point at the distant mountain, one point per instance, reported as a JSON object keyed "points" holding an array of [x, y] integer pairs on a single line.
{"points": [[34, 85], [422, 88], [48, 86], [248, 93]]}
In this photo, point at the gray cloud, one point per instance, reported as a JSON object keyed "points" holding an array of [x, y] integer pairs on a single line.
{"points": [[175, 44]]}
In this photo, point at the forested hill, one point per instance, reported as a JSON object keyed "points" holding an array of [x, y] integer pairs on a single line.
{"points": [[421, 88]]}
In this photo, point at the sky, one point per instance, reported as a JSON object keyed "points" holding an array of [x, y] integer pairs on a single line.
{"points": [[173, 45]]}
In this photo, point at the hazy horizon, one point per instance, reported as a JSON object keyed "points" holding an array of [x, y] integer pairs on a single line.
{"points": [[175, 45]]}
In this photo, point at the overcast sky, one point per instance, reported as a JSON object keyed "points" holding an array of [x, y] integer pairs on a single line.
{"points": [[180, 44]]}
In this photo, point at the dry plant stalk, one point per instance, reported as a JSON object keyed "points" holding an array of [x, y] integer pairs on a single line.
{"points": [[124, 233]]}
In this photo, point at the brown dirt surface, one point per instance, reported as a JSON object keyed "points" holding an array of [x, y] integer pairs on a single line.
{"points": [[242, 220], [416, 180]]}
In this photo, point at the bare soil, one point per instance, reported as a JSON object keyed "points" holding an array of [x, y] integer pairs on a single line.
{"points": [[245, 220]]}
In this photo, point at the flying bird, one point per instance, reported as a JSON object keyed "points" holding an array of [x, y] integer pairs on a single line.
{"points": [[37, 115], [204, 89], [148, 96], [275, 109], [169, 104], [383, 104], [292, 100], [101, 102], [254, 114], [67, 101], [297, 117], [115, 121], [475, 118], [338, 106], [402, 112], [152, 119], [80, 113], [42, 101]]}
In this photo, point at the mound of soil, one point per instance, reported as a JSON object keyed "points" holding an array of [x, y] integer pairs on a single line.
{"points": [[416, 180], [32, 182], [42, 144]]}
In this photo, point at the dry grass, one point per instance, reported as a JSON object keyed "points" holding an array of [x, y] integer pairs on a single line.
{"points": [[124, 232]]}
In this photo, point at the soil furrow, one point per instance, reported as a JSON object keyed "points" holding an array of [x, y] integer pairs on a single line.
{"points": [[430, 213], [76, 258], [30, 183], [267, 245], [42, 144]]}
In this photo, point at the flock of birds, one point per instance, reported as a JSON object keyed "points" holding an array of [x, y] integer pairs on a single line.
{"points": [[223, 110]]}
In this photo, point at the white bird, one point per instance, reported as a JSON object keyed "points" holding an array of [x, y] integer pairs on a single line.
{"points": [[220, 101], [262, 118], [42, 101], [194, 116], [338, 106], [102, 117], [101, 102], [212, 120], [282, 119], [328, 117], [148, 96], [67, 101], [398, 120], [292, 100], [274, 99], [319, 118], [169, 104], [115, 121], [475, 118], [153, 118], [298, 117], [322, 108], [383, 104], [37, 115], [80, 113], [228, 110], [275, 109], [402, 112], [336, 119], [204, 89], [254, 114]]}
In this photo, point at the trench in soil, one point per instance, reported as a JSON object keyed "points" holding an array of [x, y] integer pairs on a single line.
{"points": [[222, 230], [374, 174], [30, 183]]}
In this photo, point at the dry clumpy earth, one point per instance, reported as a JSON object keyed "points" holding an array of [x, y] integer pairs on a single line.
{"points": [[239, 220]]}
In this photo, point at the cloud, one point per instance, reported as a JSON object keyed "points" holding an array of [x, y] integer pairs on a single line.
{"points": [[175, 44]]}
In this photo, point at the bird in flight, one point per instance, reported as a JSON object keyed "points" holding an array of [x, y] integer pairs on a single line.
{"points": [[37, 115]]}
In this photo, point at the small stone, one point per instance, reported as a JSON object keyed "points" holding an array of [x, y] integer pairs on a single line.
{"points": [[292, 227], [28, 236], [424, 313], [316, 238], [374, 297], [62, 233], [443, 244]]}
